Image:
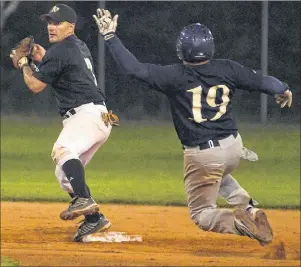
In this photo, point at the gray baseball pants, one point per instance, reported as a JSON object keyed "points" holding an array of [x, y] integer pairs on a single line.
{"points": [[207, 175]]}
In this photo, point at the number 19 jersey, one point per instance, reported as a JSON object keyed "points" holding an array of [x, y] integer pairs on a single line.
{"points": [[68, 67], [200, 96]]}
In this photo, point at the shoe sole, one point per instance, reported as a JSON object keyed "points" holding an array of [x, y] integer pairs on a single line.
{"points": [[65, 215], [105, 227], [250, 227], [264, 226], [246, 225]]}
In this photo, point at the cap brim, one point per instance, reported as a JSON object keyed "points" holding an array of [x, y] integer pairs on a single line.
{"points": [[51, 16]]}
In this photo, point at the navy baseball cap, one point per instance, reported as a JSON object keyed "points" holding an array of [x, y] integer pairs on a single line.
{"points": [[60, 13]]}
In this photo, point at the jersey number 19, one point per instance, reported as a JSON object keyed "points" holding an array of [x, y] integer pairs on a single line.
{"points": [[211, 101]]}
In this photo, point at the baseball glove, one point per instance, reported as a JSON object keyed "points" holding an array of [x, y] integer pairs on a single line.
{"points": [[110, 118], [22, 52], [248, 154]]}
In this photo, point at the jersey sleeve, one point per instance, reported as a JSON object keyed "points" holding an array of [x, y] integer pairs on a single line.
{"points": [[50, 67], [161, 78], [251, 80]]}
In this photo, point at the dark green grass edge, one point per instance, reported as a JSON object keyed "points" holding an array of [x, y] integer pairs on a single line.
{"points": [[145, 203]]}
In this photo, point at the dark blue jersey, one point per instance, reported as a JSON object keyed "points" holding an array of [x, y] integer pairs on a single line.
{"points": [[68, 67], [199, 95]]}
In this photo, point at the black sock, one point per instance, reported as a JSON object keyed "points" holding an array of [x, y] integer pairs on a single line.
{"points": [[88, 190], [93, 218], [74, 171], [72, 195], [250, 206]]}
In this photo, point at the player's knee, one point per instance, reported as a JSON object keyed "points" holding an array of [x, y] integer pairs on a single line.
{"points": [[58, 153], [62, 154], [203, 221], [202, 224]]}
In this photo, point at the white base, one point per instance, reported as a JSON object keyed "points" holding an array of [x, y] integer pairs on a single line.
{"points": [[112, 237]]}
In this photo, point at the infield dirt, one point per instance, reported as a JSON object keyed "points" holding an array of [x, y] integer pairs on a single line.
{"points": [[33, 235]]}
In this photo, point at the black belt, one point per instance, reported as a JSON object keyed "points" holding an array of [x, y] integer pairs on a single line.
{"points": [[69, 113], [72, 111], [211, 143]]}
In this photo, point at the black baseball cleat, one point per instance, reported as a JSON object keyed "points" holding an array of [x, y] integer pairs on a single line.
{"points": [[87, 228], [247, 226], [79, 206]]}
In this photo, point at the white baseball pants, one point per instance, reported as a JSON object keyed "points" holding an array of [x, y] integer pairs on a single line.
{"points": [[82, 135]]}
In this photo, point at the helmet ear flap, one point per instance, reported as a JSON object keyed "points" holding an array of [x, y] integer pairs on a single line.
{"points": [[179, 49], [195, 43]]}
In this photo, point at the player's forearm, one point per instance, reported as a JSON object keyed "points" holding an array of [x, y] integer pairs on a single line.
{"points": [[32, 83], [270, 85], [125, 59]]}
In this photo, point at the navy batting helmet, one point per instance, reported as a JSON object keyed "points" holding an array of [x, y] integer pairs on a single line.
{"points": [[195, 43]]}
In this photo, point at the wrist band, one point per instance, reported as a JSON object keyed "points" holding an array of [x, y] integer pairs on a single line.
{"points": [[24, 65], [108, 36]]}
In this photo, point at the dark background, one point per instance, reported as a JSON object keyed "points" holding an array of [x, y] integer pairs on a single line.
{"points": [[149, 30]]}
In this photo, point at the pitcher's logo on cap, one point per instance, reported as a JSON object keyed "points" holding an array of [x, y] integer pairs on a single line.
{"points": [[55, 9]]}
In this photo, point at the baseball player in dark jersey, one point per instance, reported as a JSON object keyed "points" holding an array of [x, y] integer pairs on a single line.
{"points": [[199, 91], [68, 67]]}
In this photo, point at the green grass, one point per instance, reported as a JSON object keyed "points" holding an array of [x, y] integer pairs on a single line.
{"points": [[6, 261], [143, 163]]}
